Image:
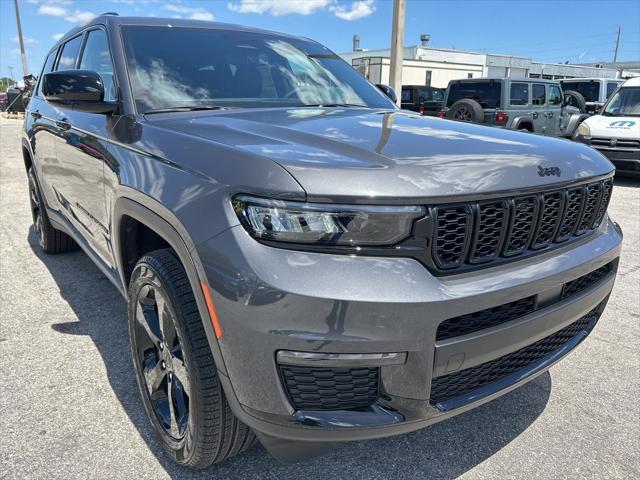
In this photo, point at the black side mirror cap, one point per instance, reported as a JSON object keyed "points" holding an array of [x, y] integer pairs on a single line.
{"points": [[388, 91], [81, 90]]}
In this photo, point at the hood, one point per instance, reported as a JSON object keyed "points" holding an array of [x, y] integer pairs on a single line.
{"points": [[365, 155], [614, 127]]}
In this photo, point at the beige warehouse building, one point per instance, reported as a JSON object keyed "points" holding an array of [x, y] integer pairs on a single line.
{"points": [[424, 65]]}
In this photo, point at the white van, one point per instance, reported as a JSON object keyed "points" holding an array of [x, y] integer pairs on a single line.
{"points": [[615, 132]]}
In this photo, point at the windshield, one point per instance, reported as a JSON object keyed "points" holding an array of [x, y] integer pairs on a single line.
{"points": [[181, 67], [624, 103]]}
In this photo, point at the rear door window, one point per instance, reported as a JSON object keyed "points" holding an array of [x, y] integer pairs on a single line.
{"points": [[519, 94], [69, 55], [406, 95], [487, 94], [538, 96]]}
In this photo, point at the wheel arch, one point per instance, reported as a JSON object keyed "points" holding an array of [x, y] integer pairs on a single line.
{"points": [[523, 122], [163, 223], [27, 155]]}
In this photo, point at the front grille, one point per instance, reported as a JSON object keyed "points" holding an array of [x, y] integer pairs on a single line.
{"points": [[476, 321], [619, 143], [473, 233], [463, 382], [321, 388], [585, 281]]}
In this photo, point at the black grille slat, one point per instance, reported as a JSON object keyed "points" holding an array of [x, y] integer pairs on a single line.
{"points": [[489, 232], [573, 208], [323, 388], [465, 381], [585, 281], [490, 317], [466, 235], [524, 215], [550, 215], [453, 225], [607, 188], [590, 211]]}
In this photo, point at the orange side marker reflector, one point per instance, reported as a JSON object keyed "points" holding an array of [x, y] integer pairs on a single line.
{"points": [[212, 310]]}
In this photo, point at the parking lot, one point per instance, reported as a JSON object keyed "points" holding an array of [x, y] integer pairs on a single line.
{"points": [[70, 406]]}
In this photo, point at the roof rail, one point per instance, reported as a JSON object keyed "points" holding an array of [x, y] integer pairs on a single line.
{"points": [[112, 14]]}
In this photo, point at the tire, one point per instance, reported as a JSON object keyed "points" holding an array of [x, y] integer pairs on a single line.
{"points": [[575, 99], [175, 369], [50, 239], [466, 110]]}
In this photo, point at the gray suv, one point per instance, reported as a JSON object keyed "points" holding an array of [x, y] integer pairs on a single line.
{"points": [[305, 263], [527, 104]]}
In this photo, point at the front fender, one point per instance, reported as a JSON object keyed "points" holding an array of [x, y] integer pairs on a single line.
{"points": [[574, 120]]}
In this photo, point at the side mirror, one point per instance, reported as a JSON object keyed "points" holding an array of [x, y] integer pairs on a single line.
{"points": [[82, 90], [388, 91]]}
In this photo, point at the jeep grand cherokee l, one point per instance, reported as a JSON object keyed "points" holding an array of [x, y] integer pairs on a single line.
{"points": [[305, 263]]}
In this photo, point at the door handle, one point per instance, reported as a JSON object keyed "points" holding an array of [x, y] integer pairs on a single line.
{"points": [[36, 114], [63, 124]]}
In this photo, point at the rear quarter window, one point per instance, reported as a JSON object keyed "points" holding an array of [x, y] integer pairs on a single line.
{"points": [[487, 94]]}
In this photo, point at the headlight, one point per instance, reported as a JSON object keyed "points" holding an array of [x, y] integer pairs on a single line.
{"points": [[583, 130], [326, 224]]}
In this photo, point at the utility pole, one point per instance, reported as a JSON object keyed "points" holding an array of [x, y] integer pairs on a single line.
{"points": [[25, 67], [615, 55], [397, 46]]}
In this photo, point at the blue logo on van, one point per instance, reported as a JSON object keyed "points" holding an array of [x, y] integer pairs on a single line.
{"points": [[622, 124]]}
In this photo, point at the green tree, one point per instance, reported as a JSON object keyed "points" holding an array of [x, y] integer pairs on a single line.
{"points": [[5, 83]]}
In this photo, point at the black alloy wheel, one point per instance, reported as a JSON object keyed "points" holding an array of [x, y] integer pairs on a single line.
{"points": [[161, 361], [463, 114], [50, 239], [36, 208]]}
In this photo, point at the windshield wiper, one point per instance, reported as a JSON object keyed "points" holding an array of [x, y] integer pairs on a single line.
{"points": [[191, 108]]}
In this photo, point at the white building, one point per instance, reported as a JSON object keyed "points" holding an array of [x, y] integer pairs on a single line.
{"points": [[424, 65]]}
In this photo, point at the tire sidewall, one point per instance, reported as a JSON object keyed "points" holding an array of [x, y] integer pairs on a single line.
{"points": [[146, 273]]}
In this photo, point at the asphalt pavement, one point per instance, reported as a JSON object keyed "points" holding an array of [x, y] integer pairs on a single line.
{"points": [[70, 408]]}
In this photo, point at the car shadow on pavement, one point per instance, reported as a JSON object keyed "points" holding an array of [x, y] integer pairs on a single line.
{"points": [[444, 451]]}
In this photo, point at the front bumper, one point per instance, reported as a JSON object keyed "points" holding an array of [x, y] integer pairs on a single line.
{"points": [[270, 300], [626, 161]]}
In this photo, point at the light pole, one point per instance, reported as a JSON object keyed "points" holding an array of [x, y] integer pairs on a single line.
{"points": [[25, 67], [397, 46]]}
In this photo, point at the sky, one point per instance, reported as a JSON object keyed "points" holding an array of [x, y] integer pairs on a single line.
{"points": [[544, 30]]}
